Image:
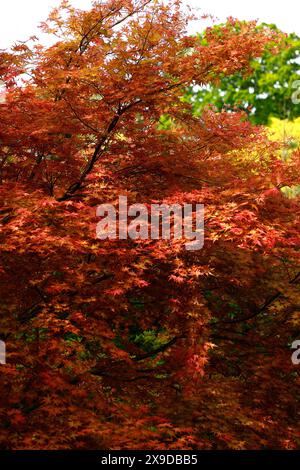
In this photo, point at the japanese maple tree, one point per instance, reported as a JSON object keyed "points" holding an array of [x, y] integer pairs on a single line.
{"points": [[123, 344]]}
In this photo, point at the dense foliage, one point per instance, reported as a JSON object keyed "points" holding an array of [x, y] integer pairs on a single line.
{"points": [[142, 344]]}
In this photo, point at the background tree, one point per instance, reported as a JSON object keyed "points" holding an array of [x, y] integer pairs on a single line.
{"points": [[264, 92]]}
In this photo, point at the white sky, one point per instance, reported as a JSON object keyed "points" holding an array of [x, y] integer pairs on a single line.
{"points": [[19, 18]]}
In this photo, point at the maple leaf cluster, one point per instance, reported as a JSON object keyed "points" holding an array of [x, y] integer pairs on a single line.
{"points": [[126, 344]]}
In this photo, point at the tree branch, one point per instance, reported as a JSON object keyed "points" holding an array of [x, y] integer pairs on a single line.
{"points": [[260, 310]]}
